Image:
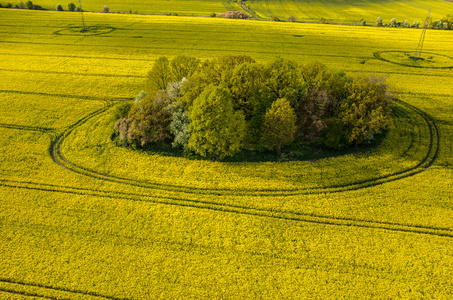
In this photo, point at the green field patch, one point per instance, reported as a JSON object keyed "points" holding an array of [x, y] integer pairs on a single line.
{"points": [[428, 60]]}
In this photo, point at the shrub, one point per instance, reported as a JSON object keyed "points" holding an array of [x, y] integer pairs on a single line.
{"points": [[416, 24], [1, 5], [234, 15], [291, 19], [213, 15], [59, 7], [362, 22], [275, 19], [71, 6], [21, 5], [9, 5], [405, 24], [105, 9]]}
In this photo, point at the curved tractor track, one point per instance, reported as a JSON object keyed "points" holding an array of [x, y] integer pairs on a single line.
{"points": [[182, 196], [428, 160]]}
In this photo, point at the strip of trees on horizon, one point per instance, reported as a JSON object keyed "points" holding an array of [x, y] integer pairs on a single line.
{"points": [[218, 107]]}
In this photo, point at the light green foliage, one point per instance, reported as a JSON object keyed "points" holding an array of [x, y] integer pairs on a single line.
{"points": [[393, 23], [282, 79], [159, 76], [378, 22], [130, 225], [179, 127], [215, 128], [366, 110], [183, 67], [279, 125]]}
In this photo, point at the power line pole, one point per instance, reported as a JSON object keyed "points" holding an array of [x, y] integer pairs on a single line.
{"points": [[418, 52], [83, 20]]}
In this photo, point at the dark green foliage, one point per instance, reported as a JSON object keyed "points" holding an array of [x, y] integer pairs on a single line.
{"points": [[71, 6], [150, 119], [59, 7], [334, 135], [29, 4]]}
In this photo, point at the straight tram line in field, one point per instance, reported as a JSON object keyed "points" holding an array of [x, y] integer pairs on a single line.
{"points": [[16, 287]]}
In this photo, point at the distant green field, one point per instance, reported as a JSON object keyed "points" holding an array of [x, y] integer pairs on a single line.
{"points": [[339, 11], [351, 11], [182, 7], [83, 219]]}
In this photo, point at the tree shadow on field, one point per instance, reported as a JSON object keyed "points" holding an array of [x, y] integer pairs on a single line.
{"points": [[303, 151]]}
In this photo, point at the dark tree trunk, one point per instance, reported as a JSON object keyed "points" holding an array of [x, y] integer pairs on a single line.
{"points": [[279, 147]]}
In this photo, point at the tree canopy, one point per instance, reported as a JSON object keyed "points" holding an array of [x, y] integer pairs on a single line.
{"points": [[217, 107]]}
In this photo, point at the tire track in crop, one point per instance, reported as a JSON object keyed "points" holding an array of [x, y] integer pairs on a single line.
{"points": [[74, 73], [233, 208], [58, 156], [27, 128], [66, 96], [17, 286]]}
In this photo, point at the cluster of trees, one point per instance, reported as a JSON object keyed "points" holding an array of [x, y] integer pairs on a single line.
{"points": [[26, 5], [444, 23], [217, 107]]}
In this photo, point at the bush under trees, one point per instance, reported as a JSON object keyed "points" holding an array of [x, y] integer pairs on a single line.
{"points": [[218, 107]]}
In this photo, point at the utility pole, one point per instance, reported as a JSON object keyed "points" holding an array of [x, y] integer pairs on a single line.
{"points": [[418, 52], [83, 20]]}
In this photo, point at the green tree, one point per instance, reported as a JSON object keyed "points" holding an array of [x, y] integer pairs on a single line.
{"points": [[245, 82], [59, 7], [159, 76], [71, 6], [366, 110], [215, 129], [378, 22], [29, 4], [150, 119], [282, 79], [279, 126], [183, 67]]}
